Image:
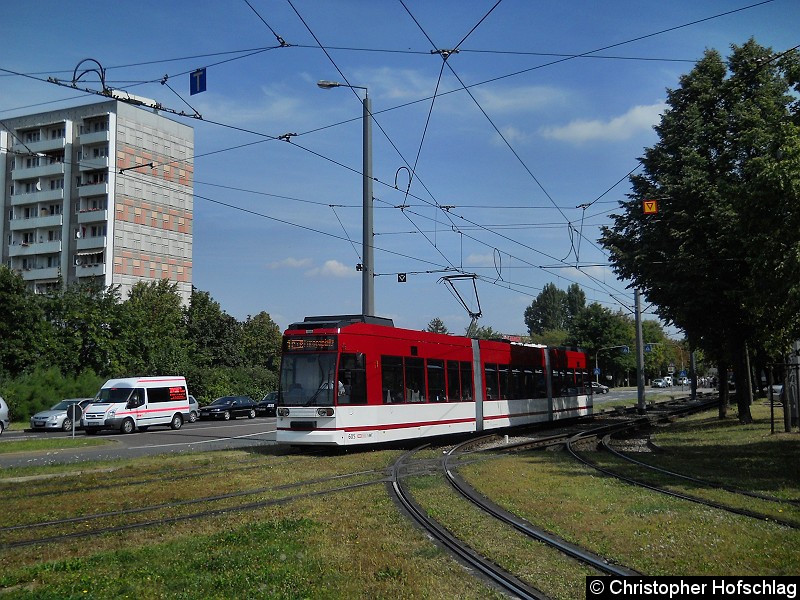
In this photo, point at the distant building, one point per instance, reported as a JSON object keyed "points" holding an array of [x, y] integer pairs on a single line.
{"points": [[102, 191]]}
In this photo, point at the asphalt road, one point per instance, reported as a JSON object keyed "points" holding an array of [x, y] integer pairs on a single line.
{"points": [[192, 437]]}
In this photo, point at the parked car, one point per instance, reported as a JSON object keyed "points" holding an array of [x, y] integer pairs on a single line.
{"points": [[4, 415], [658, 383], [597, 388], [267, 405], [229, 407], [194, 409], [57, 418]]}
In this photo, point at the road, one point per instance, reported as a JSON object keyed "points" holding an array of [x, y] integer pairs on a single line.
{"points": [[214, 435], [192, 437]]}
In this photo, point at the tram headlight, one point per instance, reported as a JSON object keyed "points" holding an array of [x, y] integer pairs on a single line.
{"points": [[282, 412], [325, 412]]}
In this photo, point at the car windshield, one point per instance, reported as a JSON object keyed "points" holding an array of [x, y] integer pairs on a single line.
{"points": [[223, 400], [63, 405], [114, 395], [308, 379]]}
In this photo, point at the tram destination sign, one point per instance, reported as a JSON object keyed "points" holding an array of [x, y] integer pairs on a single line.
{"points": [[316, 343]]}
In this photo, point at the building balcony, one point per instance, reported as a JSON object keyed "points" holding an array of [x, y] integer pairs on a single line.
{"points": [[95, 137], [36, 197], [94, 164], [41, 146], [93, 215], [94, 189], [90, 270], [56, 168], [90, 243], [31, 249], [36, 222], [35, 273]]}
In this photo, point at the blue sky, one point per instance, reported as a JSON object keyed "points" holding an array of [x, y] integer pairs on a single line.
{"points": [[500, 172]]}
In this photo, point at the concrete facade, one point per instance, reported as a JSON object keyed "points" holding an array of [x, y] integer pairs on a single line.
{"points": [[102, 191]]}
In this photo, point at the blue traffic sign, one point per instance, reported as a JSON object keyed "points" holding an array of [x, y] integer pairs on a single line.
{"points": [[197, 81], [597, 371]]}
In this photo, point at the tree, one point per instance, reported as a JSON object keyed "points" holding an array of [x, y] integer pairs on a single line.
{"points": [[214, 334], [547, 311], [86, 325], [436, 325], [575, 303], [24, 332], [720, 258], [261, 342], [153, 337], [601, 332]]}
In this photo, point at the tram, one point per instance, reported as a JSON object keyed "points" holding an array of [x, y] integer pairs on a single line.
{"points": [[356, 379]]}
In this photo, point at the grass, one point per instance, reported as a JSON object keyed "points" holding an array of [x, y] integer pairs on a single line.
{"points": [[649, 532], [39, 444], [352, 543], [355, 543]]}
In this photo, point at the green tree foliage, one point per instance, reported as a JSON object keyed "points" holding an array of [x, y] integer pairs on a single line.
{"points": [[154, 335], [261, 342], [436, 325], [721, 259], [24, 335], [66, 344], [547, 311], [85, 322], [215, 335], [600, 331], [554, 309], [41, 388]]}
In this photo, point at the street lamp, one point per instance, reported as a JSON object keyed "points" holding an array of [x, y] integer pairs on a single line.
{"points": [[368, 236]]}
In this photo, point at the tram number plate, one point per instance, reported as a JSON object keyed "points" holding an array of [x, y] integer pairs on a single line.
{"points": [[365, 435]]}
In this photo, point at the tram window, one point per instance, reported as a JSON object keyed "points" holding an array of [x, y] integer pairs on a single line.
{"points": [[353, 375], [453, 382], [490, 377], [436, 389], [558, 383], [504, 381], [466, 381], [415, 380], [540, 385], [392, 379], [517, 389]]}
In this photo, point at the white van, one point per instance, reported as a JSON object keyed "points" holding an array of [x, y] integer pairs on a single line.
{"points": [[137, 403]]}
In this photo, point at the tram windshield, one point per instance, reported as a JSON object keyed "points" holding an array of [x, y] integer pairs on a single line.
{"points": [[308, 379]]}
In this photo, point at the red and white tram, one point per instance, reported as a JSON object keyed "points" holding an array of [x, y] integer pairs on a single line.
{"points": [[360, 380]]}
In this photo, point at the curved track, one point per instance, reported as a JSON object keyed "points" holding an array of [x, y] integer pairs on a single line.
{"points": [[498, 576]]}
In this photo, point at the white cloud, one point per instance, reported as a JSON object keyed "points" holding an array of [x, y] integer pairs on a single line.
{"points": [[637, 119], [519, 99], [333, 268], [290, 263]]}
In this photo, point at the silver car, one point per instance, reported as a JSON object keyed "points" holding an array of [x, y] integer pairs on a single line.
{"points": [[57, 418], [4, 415]]}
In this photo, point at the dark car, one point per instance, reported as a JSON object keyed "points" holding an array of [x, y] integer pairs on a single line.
{"points": [[596, 388], [267, 405], [229, 407]]}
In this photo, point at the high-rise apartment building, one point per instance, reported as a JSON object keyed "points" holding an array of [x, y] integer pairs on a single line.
{"points": [[101, 191]]}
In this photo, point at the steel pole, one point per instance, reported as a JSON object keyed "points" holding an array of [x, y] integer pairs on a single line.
{"points": [[368, 235]]}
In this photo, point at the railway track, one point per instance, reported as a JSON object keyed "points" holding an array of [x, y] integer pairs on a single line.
{"points": [[481, 448], [499, 577], [94, 525]]}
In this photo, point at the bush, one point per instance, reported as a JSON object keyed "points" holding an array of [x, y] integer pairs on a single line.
{"points": [[40, 389]]}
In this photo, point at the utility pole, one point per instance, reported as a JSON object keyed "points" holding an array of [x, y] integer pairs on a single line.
{"points": [[639, 352]]}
